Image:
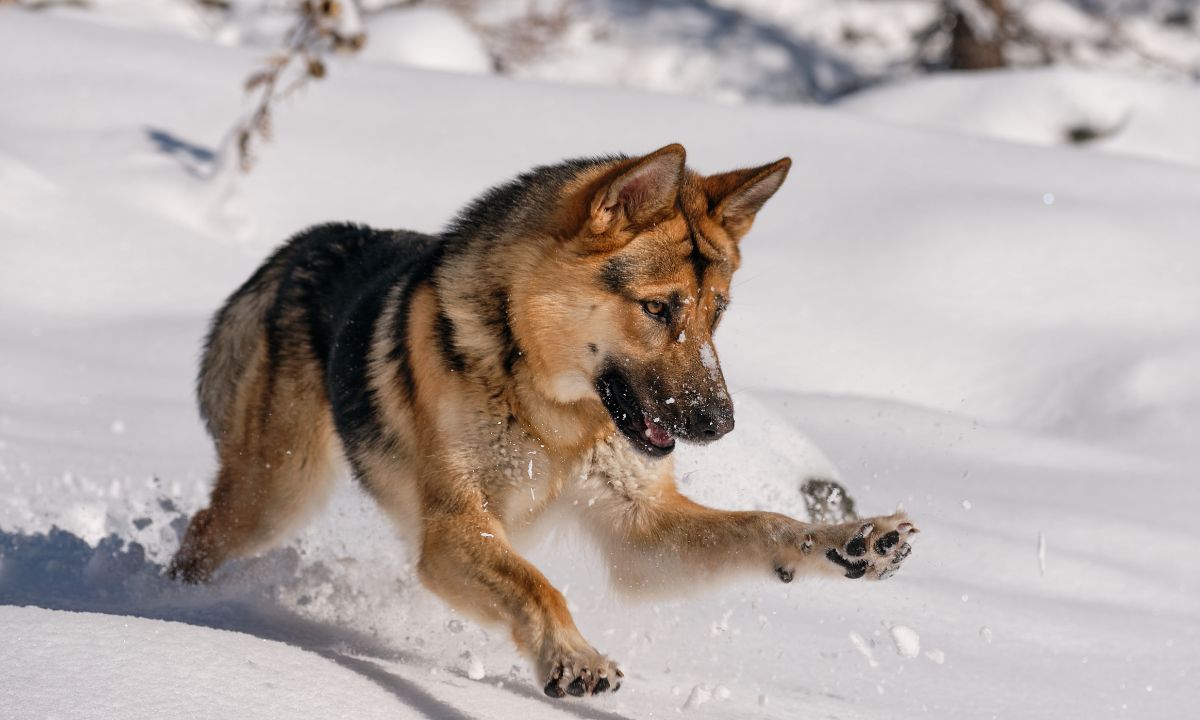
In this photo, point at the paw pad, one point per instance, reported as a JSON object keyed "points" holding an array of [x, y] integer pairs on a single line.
{"points": [[885, 542], [854, 570], [890, 547], [585, 682], [857, 547]]}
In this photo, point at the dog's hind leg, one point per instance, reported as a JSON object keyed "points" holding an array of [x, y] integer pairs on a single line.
{"points": [[276, 468]]}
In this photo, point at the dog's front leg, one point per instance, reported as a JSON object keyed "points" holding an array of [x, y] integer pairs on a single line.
{"points": [[657, 537], [467, 560]]}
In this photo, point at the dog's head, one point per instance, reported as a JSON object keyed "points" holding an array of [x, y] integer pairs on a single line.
{"points": [[638, 282]]}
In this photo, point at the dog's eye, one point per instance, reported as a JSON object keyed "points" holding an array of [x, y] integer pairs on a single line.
{"points": [[657, 310]]}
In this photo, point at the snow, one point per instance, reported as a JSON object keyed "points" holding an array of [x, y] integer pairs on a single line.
{"points": [[697, 697], [426, 37], [475, 669], [1152, 119], [912, 319], [164, 670], [906, 640], [1041, 553], [708, 358], [863, 646]]}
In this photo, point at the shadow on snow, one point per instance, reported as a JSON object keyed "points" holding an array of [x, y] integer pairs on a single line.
{"points": [[61, 571]]}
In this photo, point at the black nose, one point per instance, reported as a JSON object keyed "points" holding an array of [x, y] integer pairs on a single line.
{"points": [[707, 426]]}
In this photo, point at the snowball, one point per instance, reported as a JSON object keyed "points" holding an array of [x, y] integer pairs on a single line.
{"points": [[906, 640], [475, 668]]}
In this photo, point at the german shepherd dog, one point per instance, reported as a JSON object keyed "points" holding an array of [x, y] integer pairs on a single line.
{"points": [[547, 349]]}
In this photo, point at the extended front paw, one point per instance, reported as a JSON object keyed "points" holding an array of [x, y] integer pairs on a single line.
{"points": [[873, 549], [582, 673]]}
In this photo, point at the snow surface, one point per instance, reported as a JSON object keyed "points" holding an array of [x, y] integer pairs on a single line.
{"points": [[913, 318], [426, 37], [1139, 117], [130, 667]]}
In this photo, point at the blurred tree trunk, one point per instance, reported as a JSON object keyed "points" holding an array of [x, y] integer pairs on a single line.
{"points": [[977, 41]]}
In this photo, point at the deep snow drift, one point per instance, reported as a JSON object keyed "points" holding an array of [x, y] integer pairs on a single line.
{"points": [[1002, 337]]}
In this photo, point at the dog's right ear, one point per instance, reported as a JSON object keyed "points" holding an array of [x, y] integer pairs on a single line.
{"points": [[639, 193]]}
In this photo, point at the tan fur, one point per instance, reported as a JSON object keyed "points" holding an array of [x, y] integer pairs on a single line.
{"points": [[469, 461]]}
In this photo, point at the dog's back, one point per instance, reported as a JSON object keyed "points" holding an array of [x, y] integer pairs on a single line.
{"points": [[293, 307]]}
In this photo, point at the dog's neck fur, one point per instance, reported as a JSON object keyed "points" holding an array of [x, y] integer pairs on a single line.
{"points": [[477, 297]]}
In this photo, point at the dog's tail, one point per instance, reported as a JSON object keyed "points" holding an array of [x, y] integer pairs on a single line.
{"points": [[236, 338]]}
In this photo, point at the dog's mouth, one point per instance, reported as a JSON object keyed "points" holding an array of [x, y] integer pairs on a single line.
{"points": [[647, 434]]}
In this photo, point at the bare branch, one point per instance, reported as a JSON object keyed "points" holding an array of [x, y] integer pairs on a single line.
{"points": [[321, 27]]}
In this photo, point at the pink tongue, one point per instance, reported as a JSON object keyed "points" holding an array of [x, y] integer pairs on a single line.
{"points": [[657, 434]]}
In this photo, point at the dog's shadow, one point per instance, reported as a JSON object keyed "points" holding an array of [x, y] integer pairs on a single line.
{"points": [[61, 571]]}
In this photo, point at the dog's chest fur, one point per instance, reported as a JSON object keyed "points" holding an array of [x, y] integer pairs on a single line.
{"points": [[526, 478]]}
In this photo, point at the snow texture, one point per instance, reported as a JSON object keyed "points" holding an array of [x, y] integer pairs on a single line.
{"points": [[84, 665], [912, 319], [427, 37]]}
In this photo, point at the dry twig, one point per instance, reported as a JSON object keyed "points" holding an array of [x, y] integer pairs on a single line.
{"points": [[319, 29]]}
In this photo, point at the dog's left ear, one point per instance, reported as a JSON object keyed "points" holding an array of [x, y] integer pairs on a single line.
{"points": [[738, 195]]}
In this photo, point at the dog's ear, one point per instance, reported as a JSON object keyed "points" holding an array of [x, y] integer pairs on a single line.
{"points": [[738, 195], [640, 192]]}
